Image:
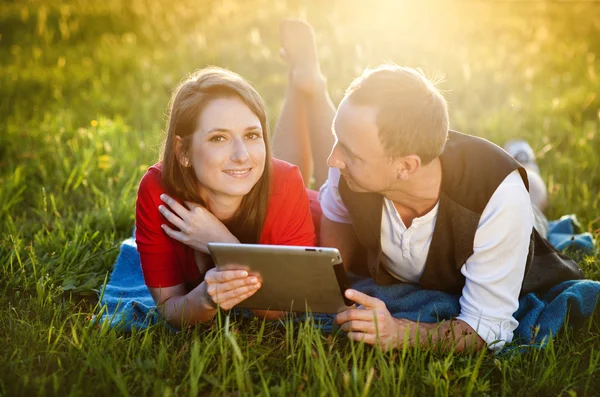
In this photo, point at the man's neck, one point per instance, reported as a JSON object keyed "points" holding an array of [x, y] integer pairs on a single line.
{"points": [[419, 194]]}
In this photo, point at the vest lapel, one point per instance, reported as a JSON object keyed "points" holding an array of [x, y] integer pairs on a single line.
{"points": [[451, 245]]}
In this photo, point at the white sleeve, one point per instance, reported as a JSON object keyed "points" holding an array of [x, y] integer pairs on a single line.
{"points": [[331, 202], [494, 272]]}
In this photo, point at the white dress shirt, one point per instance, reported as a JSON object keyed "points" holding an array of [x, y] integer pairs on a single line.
{"points": [[494, 272]]}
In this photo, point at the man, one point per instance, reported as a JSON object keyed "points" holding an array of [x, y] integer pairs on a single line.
{"points": [[407, 200], [431, 206]]}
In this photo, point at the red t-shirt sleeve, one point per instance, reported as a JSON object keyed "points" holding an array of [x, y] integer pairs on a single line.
{"points": [[158, 257], [289, 220]]}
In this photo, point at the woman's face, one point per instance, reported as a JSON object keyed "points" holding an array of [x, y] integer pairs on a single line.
{"points": [[227, 151]]}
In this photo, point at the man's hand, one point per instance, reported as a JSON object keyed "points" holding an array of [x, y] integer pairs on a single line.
{"points": [[370, 322], [197, 226]]}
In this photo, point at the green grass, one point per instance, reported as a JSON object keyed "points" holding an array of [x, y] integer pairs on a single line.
{"points": [[84, 90]]}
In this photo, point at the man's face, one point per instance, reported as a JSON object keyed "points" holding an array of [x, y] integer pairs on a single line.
{"points": [[358, 152]]}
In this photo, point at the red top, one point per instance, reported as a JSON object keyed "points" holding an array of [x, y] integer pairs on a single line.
{"points": [[167, 262]]}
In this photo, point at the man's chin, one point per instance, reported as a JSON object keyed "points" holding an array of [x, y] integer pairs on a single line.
{"points": [[354, 187]]}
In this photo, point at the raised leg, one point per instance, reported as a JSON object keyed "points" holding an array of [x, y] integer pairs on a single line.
{"points": [[291, 141], [303, 132]]}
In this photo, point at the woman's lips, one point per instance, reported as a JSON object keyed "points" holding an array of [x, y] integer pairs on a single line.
{"points": [[241, 173]]}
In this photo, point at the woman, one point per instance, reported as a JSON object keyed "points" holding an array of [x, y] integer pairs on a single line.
{"points": [[216, 182]]}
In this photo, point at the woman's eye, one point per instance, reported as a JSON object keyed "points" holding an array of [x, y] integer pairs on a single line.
{"points": [[217, 138], [253, 135]]}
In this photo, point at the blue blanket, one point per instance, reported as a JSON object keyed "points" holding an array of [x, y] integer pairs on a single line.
{"points": [[127, 304], [125, 300], [564, 234]]}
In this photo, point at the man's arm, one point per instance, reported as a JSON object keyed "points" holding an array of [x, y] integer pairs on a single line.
{"points": [[452, 334], [494, 272], [372, 323]]}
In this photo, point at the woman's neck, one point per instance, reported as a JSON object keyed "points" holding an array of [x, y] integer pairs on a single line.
{"points": [[222, 207]]}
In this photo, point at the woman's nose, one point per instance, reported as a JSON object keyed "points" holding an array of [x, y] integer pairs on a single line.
{"points": [[240, 152]]}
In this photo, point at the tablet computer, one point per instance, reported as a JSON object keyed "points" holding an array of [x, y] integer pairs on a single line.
{"points": [[293, 278]]}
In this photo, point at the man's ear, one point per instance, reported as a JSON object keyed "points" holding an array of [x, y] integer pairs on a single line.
{"points": [[407, 166], [180, 154]]}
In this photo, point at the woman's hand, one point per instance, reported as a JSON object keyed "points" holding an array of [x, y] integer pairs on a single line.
{"points": [[227, 288], [197, 226]]}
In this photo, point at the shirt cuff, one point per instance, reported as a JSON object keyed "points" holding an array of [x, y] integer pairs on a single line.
{"points": [[495, 334]]}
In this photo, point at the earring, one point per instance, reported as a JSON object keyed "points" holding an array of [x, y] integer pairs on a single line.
{"points": [[187, 162]]}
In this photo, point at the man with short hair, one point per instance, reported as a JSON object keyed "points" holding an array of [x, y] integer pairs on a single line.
{"points": [[391, 129], [409, 201]]}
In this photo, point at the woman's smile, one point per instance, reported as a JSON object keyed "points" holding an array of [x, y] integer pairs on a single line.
{"points": [[239, 173]]}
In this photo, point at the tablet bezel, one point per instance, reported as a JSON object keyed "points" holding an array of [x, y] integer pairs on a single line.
{"points": [[294, 278]]}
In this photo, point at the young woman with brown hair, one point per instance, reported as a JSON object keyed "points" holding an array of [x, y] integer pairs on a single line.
{"points": [[216, 182]]}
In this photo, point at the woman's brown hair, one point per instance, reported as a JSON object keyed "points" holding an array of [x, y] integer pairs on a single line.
{"points": [[187, 103]]}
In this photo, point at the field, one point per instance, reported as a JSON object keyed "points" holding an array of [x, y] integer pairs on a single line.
{"points": [[85, 87]]}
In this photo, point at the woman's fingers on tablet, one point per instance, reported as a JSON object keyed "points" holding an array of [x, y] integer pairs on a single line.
{"points": [[222, 276], [229, 279], [221, 295], [257, 275], [227, 288], [241, 298], [237, 283], [231, 298]]}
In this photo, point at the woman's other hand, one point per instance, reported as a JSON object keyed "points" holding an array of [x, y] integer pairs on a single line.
{"points": [[197, 226], [227, 288]]}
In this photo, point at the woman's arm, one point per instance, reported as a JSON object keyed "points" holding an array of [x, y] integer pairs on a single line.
{"points": [[162, 271], [226, 289], [181, 308], [197, 227]]}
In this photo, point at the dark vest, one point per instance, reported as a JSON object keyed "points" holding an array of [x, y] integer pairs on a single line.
{"points": [[472, 170]]}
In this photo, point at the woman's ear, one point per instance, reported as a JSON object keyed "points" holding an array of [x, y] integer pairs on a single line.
{"points": [[180, 152]]}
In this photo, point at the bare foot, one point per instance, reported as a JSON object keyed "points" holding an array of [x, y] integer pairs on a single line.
{"points": [[299, 50]]}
